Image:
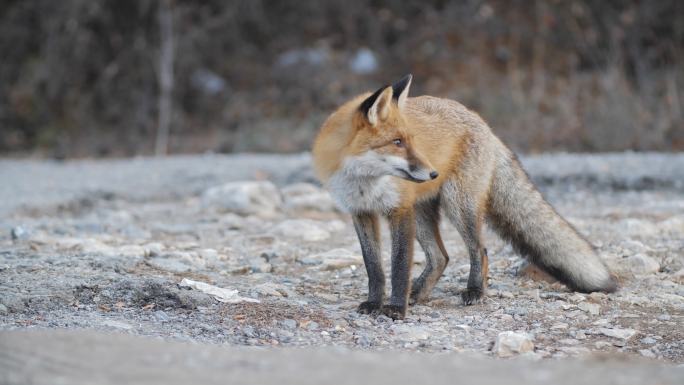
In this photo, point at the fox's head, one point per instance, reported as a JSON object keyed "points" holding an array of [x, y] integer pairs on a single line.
{"points": [[382, 144]]}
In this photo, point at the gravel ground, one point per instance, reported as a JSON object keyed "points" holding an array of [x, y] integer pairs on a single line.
{"points": [[104, 245]]}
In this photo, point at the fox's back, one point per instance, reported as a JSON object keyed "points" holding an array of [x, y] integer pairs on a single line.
{"points": [[442, 118]]}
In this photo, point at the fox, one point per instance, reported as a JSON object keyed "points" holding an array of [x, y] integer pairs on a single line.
{"points": [[410, 160]]}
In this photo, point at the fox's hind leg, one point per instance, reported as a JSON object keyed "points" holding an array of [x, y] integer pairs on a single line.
{"points": [[467, 214], [427, 233]]}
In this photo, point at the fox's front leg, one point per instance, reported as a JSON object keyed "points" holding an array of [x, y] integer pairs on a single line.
{"points": [[403, 230], [367, 229]]}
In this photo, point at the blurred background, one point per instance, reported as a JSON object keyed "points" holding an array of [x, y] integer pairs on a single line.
{"points": [[84, 78]]}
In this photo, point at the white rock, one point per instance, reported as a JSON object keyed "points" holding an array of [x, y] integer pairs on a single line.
{"points": [[305, 196], [219, 293], [510, 343], [623, 334], [305, 229], [642, 264], [245, 198]]}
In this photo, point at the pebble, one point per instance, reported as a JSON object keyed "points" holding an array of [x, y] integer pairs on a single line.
{"points": [[289, 323], [161, 316], [19, 232], [3, 309], [648, 341], [624, 334], [591, 308], [510, 343]]}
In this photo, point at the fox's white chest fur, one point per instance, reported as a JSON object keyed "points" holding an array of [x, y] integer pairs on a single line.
{"points": [[356, 188]]}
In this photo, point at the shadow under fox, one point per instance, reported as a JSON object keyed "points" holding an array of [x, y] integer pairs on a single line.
{"points": [[408, 159]]}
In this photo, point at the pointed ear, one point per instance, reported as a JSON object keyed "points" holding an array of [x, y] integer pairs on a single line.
{"points": [[376, 107], [401, 89]]}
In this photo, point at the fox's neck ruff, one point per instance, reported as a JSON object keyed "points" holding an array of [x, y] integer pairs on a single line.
{"points": [[360, 185]]}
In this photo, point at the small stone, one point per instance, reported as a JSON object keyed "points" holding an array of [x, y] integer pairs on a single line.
{"points": [[19, 232], [623, 334], [153, 249], [3, 309], [520, 311], [289, 323], [664, 317], [261, 267], [510, 343], [577, 298], [647, 353], [648, 341], [170, 264], [641, 264], [362, 340], [248, 331], [161, 316], [588, 307]]}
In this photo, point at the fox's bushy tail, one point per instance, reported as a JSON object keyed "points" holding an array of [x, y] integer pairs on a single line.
{"points": [[520, 214]]}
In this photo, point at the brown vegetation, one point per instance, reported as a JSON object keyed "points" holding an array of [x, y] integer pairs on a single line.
{"points": [[80, 77]]}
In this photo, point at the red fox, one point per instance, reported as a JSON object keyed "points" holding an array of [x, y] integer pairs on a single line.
{"points": [[407, 159]]}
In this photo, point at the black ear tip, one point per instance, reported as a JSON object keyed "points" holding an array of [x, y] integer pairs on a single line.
{"points": [[400, 85]]}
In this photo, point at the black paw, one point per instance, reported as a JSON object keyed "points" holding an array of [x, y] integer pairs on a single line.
{"points": [[368, 307], [394, 312], [472, 296]]}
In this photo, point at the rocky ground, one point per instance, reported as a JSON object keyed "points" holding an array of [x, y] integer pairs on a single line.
{"points": [[105, 245]]}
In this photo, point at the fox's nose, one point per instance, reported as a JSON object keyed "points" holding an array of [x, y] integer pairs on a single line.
{"points": [[434, 174]]}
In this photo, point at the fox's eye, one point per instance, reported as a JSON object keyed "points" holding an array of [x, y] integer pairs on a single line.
{"points": [[398, 142]]}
